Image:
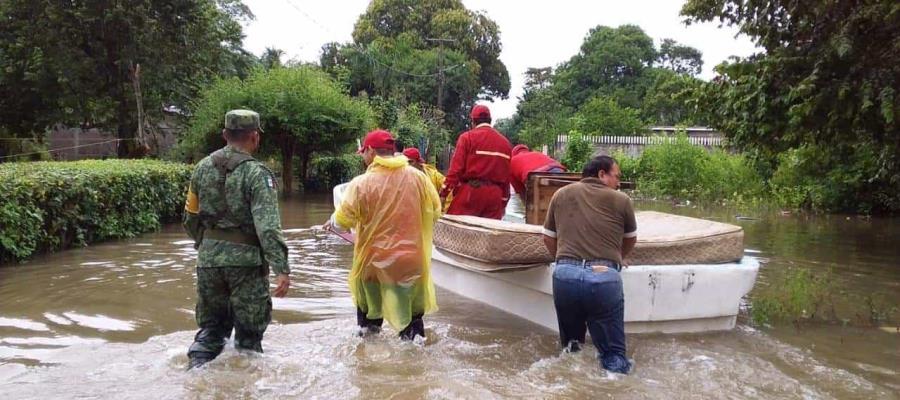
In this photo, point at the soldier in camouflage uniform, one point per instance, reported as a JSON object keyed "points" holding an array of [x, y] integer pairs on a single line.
{"points": [[232, 214]]}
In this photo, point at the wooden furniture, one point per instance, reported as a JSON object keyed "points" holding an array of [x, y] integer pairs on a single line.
{"points": [[541, 186]]}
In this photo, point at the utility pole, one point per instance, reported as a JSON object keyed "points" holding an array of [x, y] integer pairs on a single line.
{"points": [[440, 91]]}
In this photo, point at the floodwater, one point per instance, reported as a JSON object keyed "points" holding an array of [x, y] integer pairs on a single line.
{"points": [[114, 320]]}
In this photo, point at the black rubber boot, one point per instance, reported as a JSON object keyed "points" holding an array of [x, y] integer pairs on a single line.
{"points": [[367, 327], [415, 328], [198, 359]]}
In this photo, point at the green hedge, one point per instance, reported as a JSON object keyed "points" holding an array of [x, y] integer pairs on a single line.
{"points": [[50, 206]]}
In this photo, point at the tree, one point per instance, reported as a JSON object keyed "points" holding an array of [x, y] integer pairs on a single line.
{"points": [[423, 52], [537, 78], [603, 116], [828, 77], [420, 126], [679, 58], [670, 98], [610, 63], [80, 63], [545, 115], [302, 111], [271, 58], [615, 64]]}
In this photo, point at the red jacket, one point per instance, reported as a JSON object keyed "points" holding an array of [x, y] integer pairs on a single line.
{"points": [[481, 153], [526, 162]]}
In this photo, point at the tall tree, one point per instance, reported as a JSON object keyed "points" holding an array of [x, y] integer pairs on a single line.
{"points": [[680, 58], [302, 111], [81, 63], [271, 58], [829, 77], [622, 67], [611, 60], [670, 98], [603, 116], [431, 52], [537, 78]]}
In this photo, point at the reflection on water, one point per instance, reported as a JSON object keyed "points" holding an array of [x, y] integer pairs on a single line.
{"points": [[114, 321]]}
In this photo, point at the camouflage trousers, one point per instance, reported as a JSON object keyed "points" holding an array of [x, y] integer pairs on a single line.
{"points": [[231, 298]]}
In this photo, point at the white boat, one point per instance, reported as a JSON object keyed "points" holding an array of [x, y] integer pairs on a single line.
{"points": [[675, 298]]}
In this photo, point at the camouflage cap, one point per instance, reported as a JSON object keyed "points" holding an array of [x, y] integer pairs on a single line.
{"points": [[242, 119]]}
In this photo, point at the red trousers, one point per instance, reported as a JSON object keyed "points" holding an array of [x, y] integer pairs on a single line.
{"points": [[487, 201]]}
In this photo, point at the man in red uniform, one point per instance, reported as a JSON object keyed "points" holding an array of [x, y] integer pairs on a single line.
{"points": [[479, 171], [525, 161]]}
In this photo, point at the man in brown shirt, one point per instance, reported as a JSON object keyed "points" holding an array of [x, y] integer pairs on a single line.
{"points": [[590, 227]]}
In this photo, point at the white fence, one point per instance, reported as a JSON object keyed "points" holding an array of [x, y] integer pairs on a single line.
{"points": [[709, 141]]}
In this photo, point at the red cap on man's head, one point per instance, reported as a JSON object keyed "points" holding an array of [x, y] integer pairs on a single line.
{"points": [[480, 112], [519, 148], [378, 139], [413, 154]]}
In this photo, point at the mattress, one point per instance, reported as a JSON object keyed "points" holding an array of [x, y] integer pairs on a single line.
{"points": [[663, 239]]}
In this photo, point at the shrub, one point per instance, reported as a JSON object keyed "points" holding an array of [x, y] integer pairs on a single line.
{"points": [[681, 170], [578, 152], [55, 205], [833, 179], [326, 172]]}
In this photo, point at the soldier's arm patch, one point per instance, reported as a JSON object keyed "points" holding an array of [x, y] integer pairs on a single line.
{"points": [[270, 182], [192, 205]]}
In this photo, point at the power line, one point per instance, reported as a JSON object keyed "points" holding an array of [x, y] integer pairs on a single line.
{"points": [[64, 148]]}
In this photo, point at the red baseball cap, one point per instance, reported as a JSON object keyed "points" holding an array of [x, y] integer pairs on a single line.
{"points": [[480, 112], [412, 153], [377, 139], [519, 148]]}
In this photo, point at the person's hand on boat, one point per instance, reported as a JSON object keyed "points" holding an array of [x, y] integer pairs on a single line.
{"points": [[282, 284]]}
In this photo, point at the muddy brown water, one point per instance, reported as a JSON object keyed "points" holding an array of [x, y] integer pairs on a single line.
{"points": [[114, 321]]}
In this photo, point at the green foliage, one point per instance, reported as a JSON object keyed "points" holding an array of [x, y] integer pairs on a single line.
{"points": [[302, 111], [75, 62], [828, 75], [672, 169], [825, 179], [29, 148], [610, 60], [578, 151], [670, 99], [618, 64], [680, 170], [55, 205], [795, 296], [544, 115], [683, 60], [420, 126], [392, 57], [327, 172], [603, 116], [800, 295]]}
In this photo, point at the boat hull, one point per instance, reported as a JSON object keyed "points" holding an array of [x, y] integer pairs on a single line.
{"points": [[658, 298]]}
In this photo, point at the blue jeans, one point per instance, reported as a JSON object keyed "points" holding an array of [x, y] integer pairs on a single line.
{"points": [[594, 301]]}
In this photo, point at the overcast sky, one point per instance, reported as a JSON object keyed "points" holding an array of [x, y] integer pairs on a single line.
{"points": [[533, 33]]}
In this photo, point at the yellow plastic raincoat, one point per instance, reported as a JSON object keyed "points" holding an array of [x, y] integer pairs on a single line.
{"points": [[437, 179], [392, 208]]}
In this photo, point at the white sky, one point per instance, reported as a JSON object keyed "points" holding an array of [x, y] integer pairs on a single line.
{"points": [[533, 33]]}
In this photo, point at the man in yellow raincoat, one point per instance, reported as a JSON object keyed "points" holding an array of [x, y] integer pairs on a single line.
{"points": [[393, 208], [435, 176]]}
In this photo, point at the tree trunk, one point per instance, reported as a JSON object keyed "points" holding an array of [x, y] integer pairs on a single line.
{"points": [[287, 163], [304, 166], [125, 126]]}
